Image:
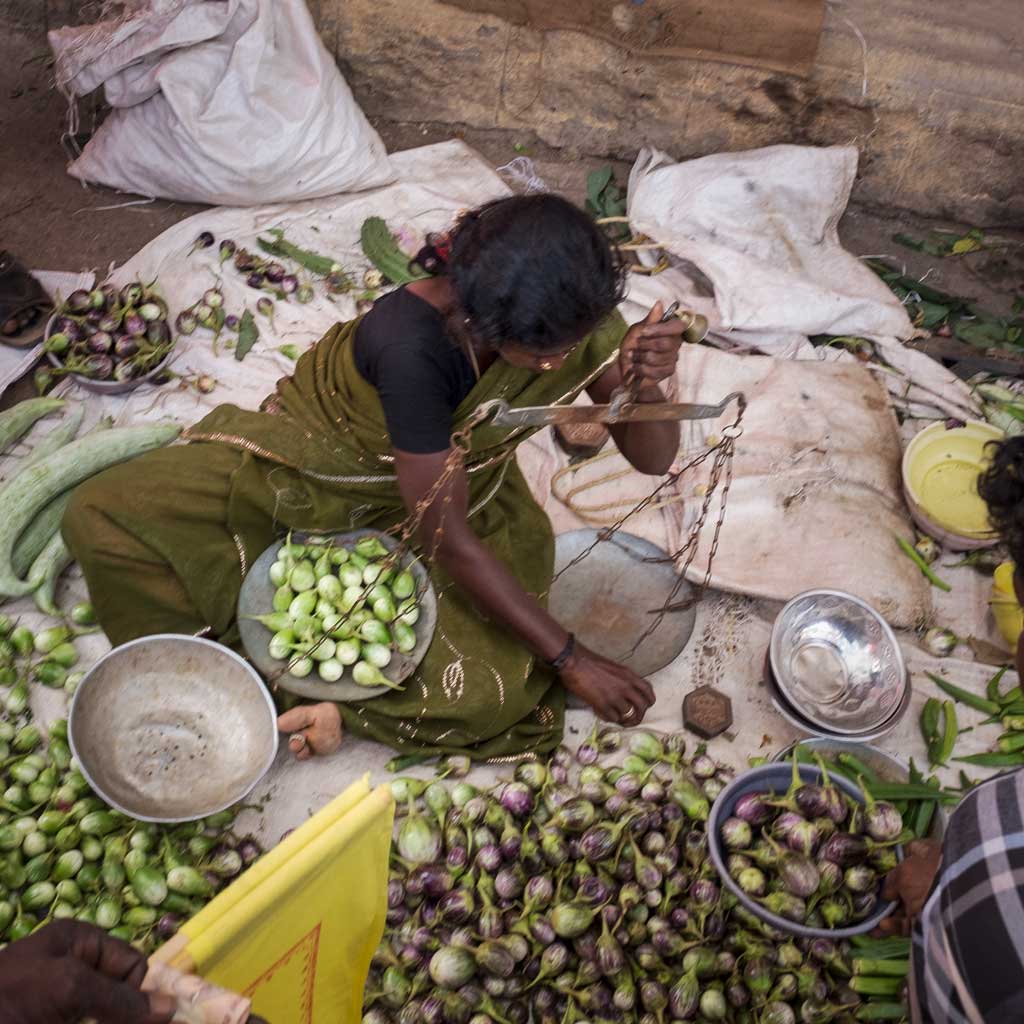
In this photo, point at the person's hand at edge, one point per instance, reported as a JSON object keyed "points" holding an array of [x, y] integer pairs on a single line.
{"points": [[70, 971], [910, 882]]}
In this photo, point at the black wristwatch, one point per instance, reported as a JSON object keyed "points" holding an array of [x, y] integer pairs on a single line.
{"points": [[560, 660]]}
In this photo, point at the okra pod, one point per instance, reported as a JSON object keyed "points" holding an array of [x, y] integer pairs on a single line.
{"points": [[995, 760], [930, 720], [926, 569], [881, 1011], [870, 948], [882, 968], [868, 986], [921, 820], [1014, 709], [958, 693], [858, 768], [1012, 696], [992, 686], [1014, 723], [1010, 742], [399, 764], [895, 947], [907, 791], [950, 731]]}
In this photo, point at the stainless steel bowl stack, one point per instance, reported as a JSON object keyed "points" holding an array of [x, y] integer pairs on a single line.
{"points": [[834, 667]]}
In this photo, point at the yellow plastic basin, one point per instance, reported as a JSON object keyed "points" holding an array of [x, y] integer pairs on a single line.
{"points": [[1006, 611], [940, 480]]}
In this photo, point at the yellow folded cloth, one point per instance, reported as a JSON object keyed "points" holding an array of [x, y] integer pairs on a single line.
{"points": [[296, 932]]}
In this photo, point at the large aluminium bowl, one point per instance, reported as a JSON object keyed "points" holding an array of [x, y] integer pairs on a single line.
{"points": [[172, 728], [802, 724], [837, 663], [256, 598], [776, 778]]}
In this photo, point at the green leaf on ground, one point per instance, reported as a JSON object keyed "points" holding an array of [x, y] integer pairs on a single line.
{"points": [[248, 335]]}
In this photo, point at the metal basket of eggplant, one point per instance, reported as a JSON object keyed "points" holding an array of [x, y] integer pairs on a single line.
{"points": [[109, 340], [806, 850]]}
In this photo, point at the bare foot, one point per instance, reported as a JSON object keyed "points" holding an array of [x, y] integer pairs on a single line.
{"points": [[314, 728]]}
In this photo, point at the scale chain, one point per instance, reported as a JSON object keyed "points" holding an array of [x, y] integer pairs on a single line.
{"points": [[406, 530], [723, 452]]}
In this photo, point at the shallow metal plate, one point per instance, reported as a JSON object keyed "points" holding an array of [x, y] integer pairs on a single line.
{"points": [[607, 599], [172, 728], [257, 596], [837, 662]]}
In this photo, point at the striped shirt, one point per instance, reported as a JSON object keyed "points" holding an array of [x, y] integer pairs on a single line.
{"points": [[968, 954]]}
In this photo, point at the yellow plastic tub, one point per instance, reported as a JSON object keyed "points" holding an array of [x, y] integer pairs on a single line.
{"points": [[1006, 610], [940, 482]]}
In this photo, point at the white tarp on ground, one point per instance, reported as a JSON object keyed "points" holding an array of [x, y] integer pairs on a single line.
{"points": [[854, 505], [234, 101]]}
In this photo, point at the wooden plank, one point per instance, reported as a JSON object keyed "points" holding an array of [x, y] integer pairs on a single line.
{"points": [[779, 34]]}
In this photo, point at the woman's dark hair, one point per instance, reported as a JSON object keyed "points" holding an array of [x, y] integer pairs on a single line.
{"points": [[1002, 488], [535, 270]]}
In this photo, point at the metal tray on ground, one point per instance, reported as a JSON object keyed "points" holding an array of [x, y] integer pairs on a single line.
{"points": [[256, 598], [608, 598]]}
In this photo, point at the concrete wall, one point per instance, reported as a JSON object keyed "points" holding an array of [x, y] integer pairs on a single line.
{"points": [[932, 91], [940, 124]]}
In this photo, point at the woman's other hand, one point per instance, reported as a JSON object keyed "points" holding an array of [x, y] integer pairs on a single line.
{"points": [[650, 350], [314, 728], [616, 693], [910, 882]]}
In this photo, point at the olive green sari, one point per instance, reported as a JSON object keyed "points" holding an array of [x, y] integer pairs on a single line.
{"points": [[165, 540]]}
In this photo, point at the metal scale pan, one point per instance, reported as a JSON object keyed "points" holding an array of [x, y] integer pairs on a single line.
{"points": [[608, 598]]}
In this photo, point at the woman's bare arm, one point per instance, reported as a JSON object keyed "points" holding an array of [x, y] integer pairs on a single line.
{"points": [[446, 536]]}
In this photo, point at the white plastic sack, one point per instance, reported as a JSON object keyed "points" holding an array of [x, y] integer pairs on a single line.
{"points": [[755, 249], [815, 499], [231, 102], [761, 226]]}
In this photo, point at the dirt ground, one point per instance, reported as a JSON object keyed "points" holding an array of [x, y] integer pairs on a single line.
{"points": [[53, 222]]}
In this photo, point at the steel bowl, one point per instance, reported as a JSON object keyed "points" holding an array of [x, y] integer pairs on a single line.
{"points": [[804, 725], [776, 778], [256, 598], [837, 663], [171, 728], [888, 767], [105, 387]]}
